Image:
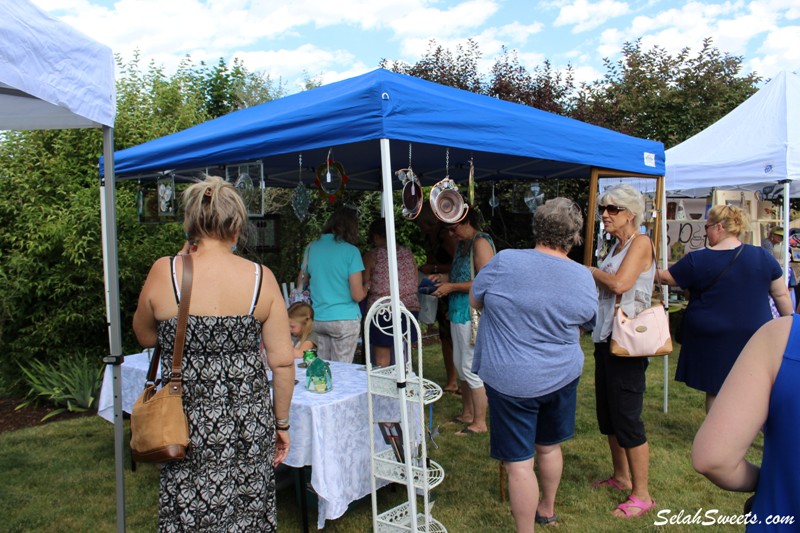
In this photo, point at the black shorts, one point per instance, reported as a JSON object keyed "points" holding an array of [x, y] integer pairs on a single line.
{"points": [[619, 385]]}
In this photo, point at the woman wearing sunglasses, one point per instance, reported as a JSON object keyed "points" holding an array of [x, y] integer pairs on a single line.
{"points": [[473, 251], [625, 278], [729, 284]]}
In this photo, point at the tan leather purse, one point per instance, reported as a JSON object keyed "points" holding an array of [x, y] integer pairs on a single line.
{"points": [[159, 427]]}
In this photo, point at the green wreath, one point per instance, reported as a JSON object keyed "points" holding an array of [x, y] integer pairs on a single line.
{"points": [[322, 171]]}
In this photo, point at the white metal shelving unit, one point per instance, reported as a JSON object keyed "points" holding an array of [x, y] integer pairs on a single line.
{"points": [[416, 471]]}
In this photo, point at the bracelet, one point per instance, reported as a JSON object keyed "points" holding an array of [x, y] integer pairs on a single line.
{"points": [[282, 428], [282, 421]]}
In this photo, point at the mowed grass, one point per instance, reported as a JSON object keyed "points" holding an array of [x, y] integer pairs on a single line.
{"points": [[60, 477]]}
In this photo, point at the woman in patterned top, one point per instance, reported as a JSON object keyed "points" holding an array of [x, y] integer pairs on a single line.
{"points": [[238, 434], [376, 272]]}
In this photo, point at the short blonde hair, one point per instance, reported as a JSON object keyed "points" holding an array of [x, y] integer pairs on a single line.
{"points": [[213, 208], [734, 220], [626, 196]]}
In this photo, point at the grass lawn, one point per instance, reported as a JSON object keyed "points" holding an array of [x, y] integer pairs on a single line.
{"points": [[60, 477]]}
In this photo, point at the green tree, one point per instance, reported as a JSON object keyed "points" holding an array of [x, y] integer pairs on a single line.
{"points": [[655, 95], [51, 274]]}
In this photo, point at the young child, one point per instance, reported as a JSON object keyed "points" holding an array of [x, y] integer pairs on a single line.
{"points": [[301, 325]]}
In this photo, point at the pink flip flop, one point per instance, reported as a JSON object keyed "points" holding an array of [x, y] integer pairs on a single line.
{"points": [[633, 501], [610, 482]]}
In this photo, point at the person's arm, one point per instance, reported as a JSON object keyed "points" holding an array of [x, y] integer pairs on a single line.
{"points": [[304, 346], [358, 289], [369, 267], [780, 293], [740, 410], [278, 343], [483, 253], [144, 320], [666, 278], [637, 260]]}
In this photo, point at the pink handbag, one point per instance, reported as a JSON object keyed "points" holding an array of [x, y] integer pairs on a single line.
{"points": [[646, 335]]}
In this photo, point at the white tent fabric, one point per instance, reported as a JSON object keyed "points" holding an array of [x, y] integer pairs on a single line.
{"points": [[51, 75], [54, 77], [755, 145]]}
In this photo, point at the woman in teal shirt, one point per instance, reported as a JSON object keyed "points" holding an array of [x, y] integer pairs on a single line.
{"points": [[336, 284], [475, 246]]}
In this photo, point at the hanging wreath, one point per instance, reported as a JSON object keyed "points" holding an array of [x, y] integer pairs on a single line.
{"points": [[322, 178]]}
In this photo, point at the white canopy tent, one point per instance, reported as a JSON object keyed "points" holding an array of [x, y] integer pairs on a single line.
{"points": [[756, 145], [54, 77]]}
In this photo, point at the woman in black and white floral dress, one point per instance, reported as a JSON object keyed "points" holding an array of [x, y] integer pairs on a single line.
{"points": [[238, 433]]}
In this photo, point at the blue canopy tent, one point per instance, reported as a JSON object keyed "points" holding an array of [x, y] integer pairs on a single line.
{"points": [[506, 140], [382, 120]]}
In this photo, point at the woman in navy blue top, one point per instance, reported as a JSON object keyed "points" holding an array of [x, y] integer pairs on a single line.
{"points": [[729, 284], [760, 392]]}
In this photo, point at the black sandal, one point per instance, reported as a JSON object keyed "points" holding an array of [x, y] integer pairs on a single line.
{"points": [[547, 520]]}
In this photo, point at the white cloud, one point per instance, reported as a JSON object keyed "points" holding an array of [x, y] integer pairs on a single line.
{"points": [[585, 15], [778, 52]]}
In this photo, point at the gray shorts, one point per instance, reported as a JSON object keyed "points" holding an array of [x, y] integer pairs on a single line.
{"points": [[337, 339]]}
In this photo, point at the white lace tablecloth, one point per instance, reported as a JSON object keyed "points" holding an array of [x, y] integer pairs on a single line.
{"points": [[329, 431]]}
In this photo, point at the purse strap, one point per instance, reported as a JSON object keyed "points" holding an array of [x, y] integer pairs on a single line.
{"points": [[722, 272], [472, 255], [180, 332]]}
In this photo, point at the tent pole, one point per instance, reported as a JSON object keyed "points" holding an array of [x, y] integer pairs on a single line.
{"points": [[590, 218], [108, 218], [661, 242], [394, 290], [787, 210]]}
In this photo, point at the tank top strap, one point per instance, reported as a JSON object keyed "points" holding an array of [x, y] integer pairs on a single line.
{"points": [[175, 285], [793, 344], [257, 288]]}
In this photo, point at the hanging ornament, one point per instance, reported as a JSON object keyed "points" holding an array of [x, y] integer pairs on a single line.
{"points": [[494, 201], [301, 200], [331, 178], [412, 190], [471, 187]]}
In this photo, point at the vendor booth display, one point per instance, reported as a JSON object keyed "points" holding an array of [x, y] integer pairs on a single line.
{"points": [[374, 119]]}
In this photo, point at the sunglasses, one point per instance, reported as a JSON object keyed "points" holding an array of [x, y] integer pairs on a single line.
{"points": [[610, 209], [710, 226]]}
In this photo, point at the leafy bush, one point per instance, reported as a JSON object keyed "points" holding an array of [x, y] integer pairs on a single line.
{"points": [[69, 384]]}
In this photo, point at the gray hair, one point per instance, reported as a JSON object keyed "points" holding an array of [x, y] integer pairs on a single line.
{"points": [[626, 196], [558, 224]]}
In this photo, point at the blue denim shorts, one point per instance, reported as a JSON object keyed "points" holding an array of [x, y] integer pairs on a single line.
{"points": [[517, 424]]}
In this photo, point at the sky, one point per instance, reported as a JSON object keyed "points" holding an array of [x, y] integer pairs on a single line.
{"points": [[329, 40]]}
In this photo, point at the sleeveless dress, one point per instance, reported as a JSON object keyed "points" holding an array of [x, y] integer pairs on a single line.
{"points": [[778, 489], [460, 271], [226, 483]]}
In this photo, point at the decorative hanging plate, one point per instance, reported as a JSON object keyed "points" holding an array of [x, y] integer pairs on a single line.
{"points": [[331, 179]]}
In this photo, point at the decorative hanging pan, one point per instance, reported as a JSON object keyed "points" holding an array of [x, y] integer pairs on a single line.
{"points": [[447, 203], [412, 193]]}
